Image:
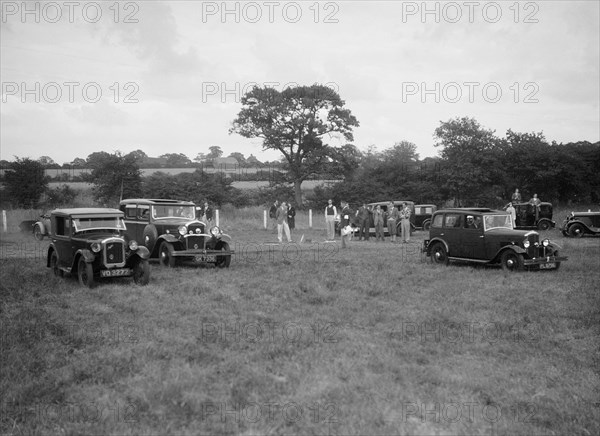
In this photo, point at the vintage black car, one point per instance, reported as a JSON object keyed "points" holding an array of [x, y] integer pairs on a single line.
{"points": [[530, 216], [170, 231], [423, 214], [487, 236], [577, 224], [91, 243], [41, 227]]}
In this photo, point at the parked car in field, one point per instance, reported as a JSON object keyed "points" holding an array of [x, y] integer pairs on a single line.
{"points": [[170, 231], [41, 227], [577, 224], [530, 216], [91, 243], [487, 236], [423, 214]]}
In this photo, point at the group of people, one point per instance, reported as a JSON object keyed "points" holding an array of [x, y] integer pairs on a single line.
{"points": [[204, 212], [516, 198], [363, 217], [283, 218]]}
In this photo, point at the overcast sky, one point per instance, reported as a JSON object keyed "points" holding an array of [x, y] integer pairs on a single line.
{"points": [[166, 77]]}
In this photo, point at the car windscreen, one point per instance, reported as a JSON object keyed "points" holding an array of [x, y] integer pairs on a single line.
{"points": [[497, 221], [173, 211], [103, 223]]}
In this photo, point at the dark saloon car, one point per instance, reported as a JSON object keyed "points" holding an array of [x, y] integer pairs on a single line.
{"points": [[91, 243], [530, 216], [577, 224], [487, 236], [422, 215], [170, 231]]}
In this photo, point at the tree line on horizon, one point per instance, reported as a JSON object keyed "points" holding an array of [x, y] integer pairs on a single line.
{"points": [[474, 167]]}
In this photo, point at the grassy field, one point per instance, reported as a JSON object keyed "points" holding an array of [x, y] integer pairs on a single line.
{"points": [[303, 339]]}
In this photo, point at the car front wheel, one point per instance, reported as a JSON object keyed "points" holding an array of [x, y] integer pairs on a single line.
{"points": [[439, 254], [37, 233], [225, 260], [576, 230], [426, 225], [141, 272], [54, 265], [85, 273], [511, 261], [165, 255]]}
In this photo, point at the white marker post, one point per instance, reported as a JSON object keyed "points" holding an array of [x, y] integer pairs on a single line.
{"points": [[310, 218], [265, 219], [217, 217], [4, 223]]}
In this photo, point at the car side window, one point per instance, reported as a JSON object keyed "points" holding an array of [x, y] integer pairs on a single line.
{"points": [[130, 212], [437, 221], [143, 212], [63, 226], [452, 220]]}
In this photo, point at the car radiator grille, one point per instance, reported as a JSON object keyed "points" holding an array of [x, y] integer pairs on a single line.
{"points": [[195, 242], [114, 252]]}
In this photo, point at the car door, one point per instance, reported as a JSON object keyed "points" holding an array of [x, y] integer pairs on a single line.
{"points": [[472, 244], [451, 233], [61, 228]]}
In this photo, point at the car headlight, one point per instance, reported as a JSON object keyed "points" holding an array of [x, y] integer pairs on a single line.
{"points": [[198, 230], [182, 230], [133, 245], [526, 243], [545, 242], [215, 231], [96, 247]]}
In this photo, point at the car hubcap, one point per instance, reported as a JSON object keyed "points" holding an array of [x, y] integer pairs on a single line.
{"points": [[510, 262]]}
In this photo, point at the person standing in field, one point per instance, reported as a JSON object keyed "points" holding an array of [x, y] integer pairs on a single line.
{"points": [[392, 218], [330, 213], [291, 216], [513, 213], [282, 223], [405, 222], [378, 221], [364, 222], [273, 215]]}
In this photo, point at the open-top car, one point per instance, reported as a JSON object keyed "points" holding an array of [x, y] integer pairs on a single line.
{"points": [[170, 231], [577, 224], [530, 216], [91, 243], [487, 236]]}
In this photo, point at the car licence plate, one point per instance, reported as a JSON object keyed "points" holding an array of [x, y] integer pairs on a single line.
{"points": [[115, 272], [205, 258], [550, 265]]}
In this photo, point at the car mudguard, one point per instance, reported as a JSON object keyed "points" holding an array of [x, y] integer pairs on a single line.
{"points": [[142, 252], [168, 238], [87, 255], [436, 240], [515, 248], [51, 249]]}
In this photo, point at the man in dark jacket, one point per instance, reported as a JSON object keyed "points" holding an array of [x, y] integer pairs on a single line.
{"points": [[364, 222], [273, 215]]}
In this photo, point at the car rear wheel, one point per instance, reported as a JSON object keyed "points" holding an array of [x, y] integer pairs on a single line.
{"points": [[141, 272], [85, 273], [225, 260], [439, 254], [543, 225], [511, 261], [54, 265], [426, 225], [37, 232], [165, 255], [576, 230]]}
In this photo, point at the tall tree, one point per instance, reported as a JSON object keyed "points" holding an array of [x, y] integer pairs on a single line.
{"points": [[471, 156], [295, 122], [25, 182], [176, 160], [114, 177], [215, 151]]}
